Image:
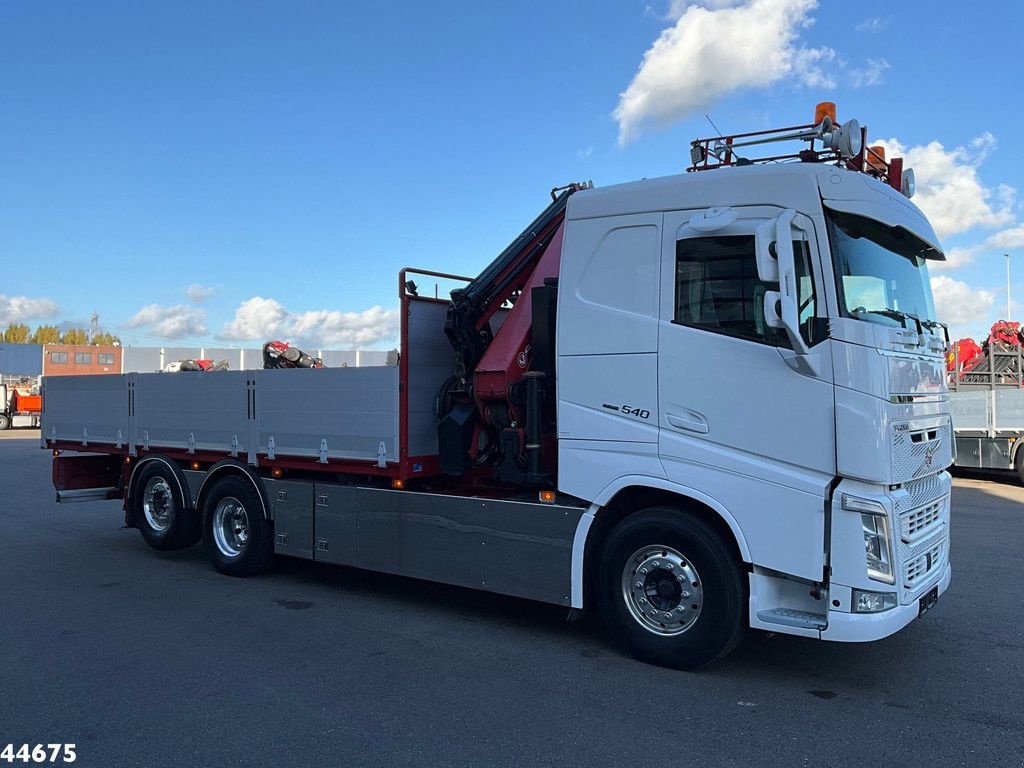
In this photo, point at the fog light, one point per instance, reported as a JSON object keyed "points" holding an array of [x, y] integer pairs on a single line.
{"points": [[873, 602]]}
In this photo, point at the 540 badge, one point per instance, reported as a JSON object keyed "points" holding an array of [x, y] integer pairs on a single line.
{"points": [[628, 410]]}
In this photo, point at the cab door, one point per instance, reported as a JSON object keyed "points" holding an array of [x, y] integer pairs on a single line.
{"points": [[743, 418]]}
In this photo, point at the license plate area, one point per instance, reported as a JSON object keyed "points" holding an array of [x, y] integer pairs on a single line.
{"points": [[928, 600]]}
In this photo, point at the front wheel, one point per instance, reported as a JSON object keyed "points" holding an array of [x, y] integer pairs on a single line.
{"points": [[671, 592], [5, 421], [237, 537], [1019, 464]]}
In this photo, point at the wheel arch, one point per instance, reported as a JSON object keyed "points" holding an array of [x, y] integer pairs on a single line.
{"points": [[1015, 453], [176, 473], [233, 468], [630, 495]]}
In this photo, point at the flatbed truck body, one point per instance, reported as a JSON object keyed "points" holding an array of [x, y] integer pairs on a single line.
{"points": [[697, 402], [987, 404]]}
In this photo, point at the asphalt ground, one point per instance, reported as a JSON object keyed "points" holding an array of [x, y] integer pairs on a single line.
{"points": [[149, 659]]}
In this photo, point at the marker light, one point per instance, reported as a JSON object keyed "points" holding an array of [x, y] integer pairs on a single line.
{"points": [[397, 483], [876, 157], [825, 109], [547, 497], [276, 472], [194, 465]]}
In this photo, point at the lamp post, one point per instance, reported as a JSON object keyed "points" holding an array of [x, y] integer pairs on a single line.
{"points": [[1007, 286]]}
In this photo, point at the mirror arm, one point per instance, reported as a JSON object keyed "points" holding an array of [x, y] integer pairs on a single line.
{"points": [[787, 281]]}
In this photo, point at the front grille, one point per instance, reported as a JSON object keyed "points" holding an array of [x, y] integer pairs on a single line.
{"points": [[924, 491], [920, 451], [922, 538], [924, 565], [915, 523]]}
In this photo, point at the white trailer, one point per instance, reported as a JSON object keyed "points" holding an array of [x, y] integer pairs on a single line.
{"points": [[716, 403]]}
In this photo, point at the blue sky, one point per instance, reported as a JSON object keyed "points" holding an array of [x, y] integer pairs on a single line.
{"points": [[227, 172]]}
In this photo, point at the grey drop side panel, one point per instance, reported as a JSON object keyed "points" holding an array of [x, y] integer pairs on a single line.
{"points": [[1009, 410], [86, 409], [206, 410], [431, 362], [512, 548], [970, 409], [352, 409]]}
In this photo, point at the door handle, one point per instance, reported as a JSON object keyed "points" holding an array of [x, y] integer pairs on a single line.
{"points": [[692, 422]]}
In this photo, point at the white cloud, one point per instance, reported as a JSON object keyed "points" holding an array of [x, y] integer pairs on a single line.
{"points": [[18, 309], [949, 190], [715, 48], [960, 305], [869, 74], [175, 322], [352, 328], [260, 318], [956, 258], [197, 294], [584, 153], [256, 318], [873, 25], [1008, 238]]}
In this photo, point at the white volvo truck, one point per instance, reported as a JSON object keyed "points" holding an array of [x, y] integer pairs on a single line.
{"points": [[700, 403]]}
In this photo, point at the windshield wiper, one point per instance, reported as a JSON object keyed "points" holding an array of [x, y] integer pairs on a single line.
{"points": [[895, 314], [933, 324]]}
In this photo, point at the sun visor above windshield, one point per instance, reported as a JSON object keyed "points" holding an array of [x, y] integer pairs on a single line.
{"points": [[901, 215]]}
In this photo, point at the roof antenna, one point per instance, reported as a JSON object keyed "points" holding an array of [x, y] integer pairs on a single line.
{"points": [[717, 150], [708, 118]]}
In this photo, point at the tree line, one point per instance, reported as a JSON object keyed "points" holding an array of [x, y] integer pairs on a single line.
{"points": [[19, 333]]}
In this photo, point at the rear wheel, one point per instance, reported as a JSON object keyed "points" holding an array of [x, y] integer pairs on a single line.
{"points": [[159, 510], [671, 592], [237, 537], [1019, 464]]}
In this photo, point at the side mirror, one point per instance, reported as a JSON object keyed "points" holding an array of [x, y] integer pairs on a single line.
{"points": [[773, 309], [773, 246], [771, 238], [765, 252]]}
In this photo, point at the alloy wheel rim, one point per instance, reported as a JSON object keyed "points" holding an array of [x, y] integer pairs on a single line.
{"points": [[230, 526], [662, 590], [158, 504]]}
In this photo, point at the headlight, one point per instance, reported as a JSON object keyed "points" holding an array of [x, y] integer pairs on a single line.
{"points": [[872, 602], [877, 544], [876, 547]]}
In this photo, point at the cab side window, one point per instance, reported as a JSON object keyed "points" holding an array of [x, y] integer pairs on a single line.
{"points": [[718, 290]]}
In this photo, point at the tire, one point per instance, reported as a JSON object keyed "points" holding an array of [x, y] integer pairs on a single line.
{"points": [[665, 561], [5, 422], [238, 539], [1018, 464], [160, 513]]}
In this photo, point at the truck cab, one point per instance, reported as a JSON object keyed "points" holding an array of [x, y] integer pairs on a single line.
{"points": [[761, 341]]}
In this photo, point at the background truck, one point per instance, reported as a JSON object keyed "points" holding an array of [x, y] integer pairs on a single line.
{"points": [[20, 405], [987, 383], [700, 403]]}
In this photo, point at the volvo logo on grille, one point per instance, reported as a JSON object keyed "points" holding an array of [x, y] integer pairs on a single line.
{"points": [[929, 457]]}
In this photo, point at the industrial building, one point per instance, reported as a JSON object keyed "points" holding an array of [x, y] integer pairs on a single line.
{"points": [[30, 360]]}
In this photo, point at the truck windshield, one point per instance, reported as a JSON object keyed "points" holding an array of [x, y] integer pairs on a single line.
{"points": [[881, 271]]}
